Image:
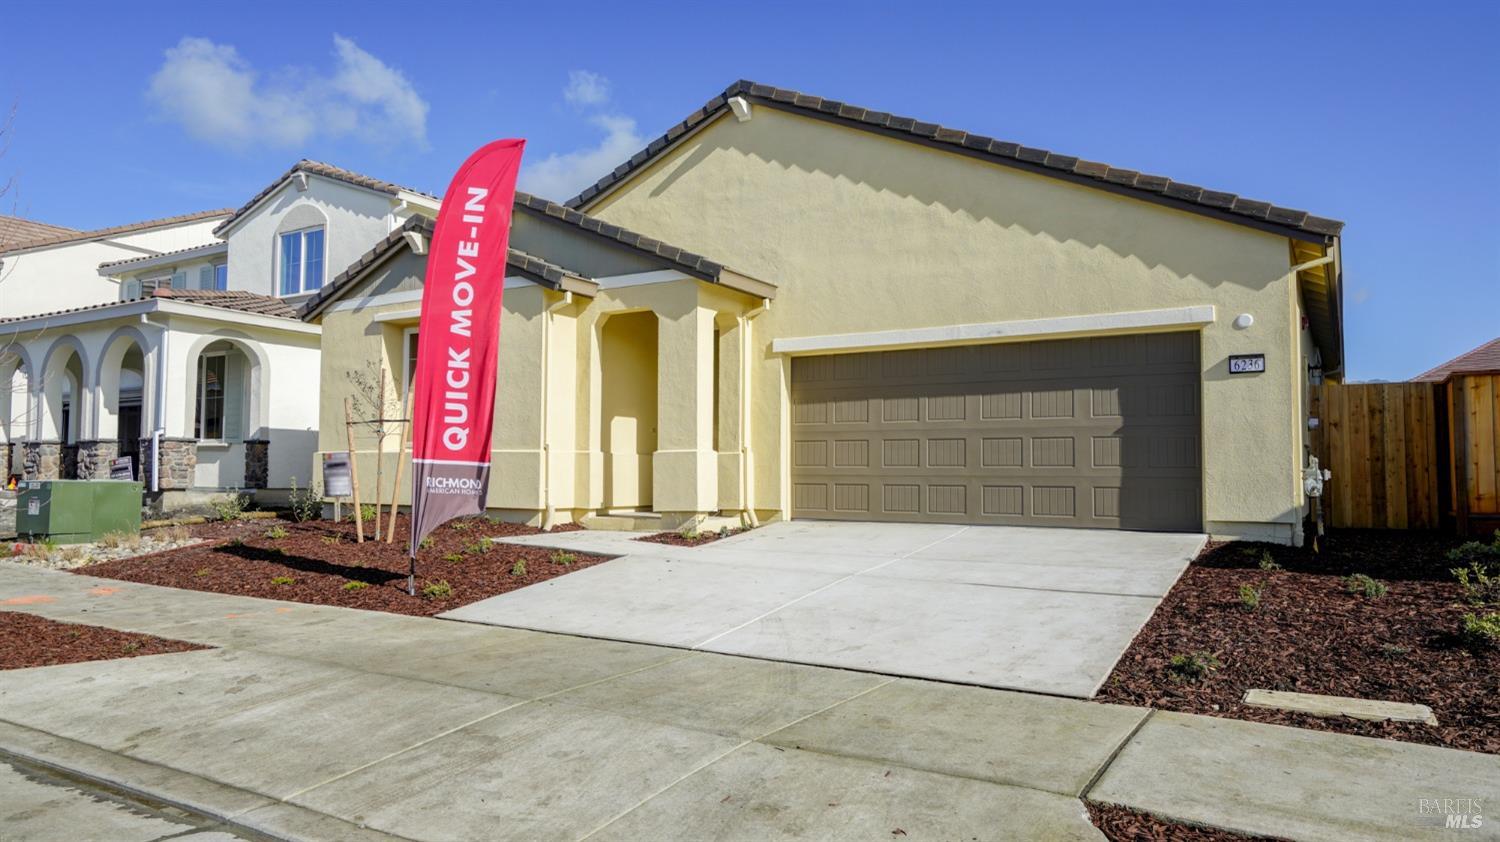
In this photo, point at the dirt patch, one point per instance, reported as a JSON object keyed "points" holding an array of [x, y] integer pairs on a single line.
{"points": [[320, 562], [1310, 634], [1122, 824], [27, 640], [695, 539]]}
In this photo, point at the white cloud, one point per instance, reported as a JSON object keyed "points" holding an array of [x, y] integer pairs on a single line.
{"points": [[1361, 295], [585, 88], [562, 174], [219, 97]]}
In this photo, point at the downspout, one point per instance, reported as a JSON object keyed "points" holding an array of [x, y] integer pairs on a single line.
{"points": [[549, 511], [160, 411], [747, 464]]}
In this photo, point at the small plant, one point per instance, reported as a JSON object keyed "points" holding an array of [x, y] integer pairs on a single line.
{"points": [[453, 557], [1391, 650], [1194, 667], [176, 535], [276, 533], [1477, 551], [519, 568], [1267, 563], [131, 645], [688, 532], [201, 572], [305, 504], [334, 540], [366, 513], [48, 545], [563, 557], [355, 585], [1482, 630], [1250, 596], [426, 543], [437, 590], [461, 525], [479, 547], [1479, 586], [117, 540], [229, 507], [1364, 586], [283, 580]]}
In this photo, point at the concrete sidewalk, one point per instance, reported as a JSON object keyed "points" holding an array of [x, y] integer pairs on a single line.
{"points": [[320, 723]]}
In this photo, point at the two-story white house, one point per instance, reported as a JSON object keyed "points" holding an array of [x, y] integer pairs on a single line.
{"points": [[192, 361]]}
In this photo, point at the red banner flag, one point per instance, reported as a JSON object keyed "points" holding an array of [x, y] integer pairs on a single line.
{"points": [[458, 340]]}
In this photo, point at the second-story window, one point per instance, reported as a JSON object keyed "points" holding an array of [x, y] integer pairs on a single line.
{"points": [[301, 261], [221, 276]]}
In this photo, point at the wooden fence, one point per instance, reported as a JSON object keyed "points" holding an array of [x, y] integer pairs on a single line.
{"points": [[1474, 430], [1381, 442]]}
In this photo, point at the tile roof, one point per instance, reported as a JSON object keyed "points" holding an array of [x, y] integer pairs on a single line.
{"points": [[1160, 189], [16, 231], [543, 271], [245, 302], [100, 233], [327, 171], [126, 264], [1484, 359]]}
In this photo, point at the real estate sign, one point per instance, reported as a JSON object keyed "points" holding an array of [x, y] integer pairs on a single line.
{"points": [[458, 340]]}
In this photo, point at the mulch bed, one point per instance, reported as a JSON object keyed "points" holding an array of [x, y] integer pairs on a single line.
{"points": [[322, 557], [1310, 635], [677, 539], [1122, 824], [27, 640]]}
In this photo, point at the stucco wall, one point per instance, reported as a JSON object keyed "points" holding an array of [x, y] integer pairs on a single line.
{"points": [[65, 276], [355, 220], [867, 233]]}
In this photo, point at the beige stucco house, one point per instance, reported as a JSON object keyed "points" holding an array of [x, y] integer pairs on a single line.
{"points": [[891, 320]]}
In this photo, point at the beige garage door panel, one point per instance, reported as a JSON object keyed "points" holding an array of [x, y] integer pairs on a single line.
{"points": [[1099, 432]]}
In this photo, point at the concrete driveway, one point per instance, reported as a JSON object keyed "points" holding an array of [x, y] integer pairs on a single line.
{"points": [[1043, 610]]}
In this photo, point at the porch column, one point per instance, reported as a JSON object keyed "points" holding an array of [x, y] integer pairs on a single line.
{"points": [[685, 477]]}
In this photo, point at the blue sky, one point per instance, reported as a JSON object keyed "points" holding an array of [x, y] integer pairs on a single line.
{"points": [[1382, 115]]}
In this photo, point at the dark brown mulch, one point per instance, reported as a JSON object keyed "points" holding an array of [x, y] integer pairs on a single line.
{"points": [[677, 539], [27, 640], [1310, 635], [321, 557], [1122, 824]]}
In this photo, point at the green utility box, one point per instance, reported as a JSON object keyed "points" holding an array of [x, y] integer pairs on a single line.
{"points": [[75, 511]]}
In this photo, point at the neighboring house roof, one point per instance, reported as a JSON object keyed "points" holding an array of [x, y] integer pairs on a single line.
{"points": [[1482, 360], [16, 231], [534, 268], [327, 171], [1159, 189], [681, 259], [115, 231], [115, 267], [245, 302]]}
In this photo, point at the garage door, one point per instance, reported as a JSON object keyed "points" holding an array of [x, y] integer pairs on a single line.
{"points": [[1100, 432]]}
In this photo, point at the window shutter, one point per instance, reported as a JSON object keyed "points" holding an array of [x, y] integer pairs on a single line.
{"points": [[179, 279], [234, 395], [205, 277], [131, 289]]}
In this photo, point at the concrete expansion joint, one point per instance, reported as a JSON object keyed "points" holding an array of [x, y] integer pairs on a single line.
{"points": [[1109, 761]]}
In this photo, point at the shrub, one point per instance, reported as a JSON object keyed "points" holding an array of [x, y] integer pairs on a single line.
{"points": [[1250, 596], [437, 590], [461, 525], [479, 547], [306, 504], [688, 532], [1477, 551], [229, 507], [176, 535], [355, 585], [426, 543], [1194, 667], [276, 533], [1479, 586], [519, 568], [201, 572], [366, 513], [282, 580], [1482, 630], [453, 557], [1268, 563], [1363, 585], [334, 540], [563, 557]]}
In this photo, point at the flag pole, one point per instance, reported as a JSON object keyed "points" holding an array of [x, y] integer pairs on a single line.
{"points": [[390, 535]]}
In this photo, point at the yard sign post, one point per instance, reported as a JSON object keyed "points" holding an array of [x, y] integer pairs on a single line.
{"points": [[458, 340]]}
